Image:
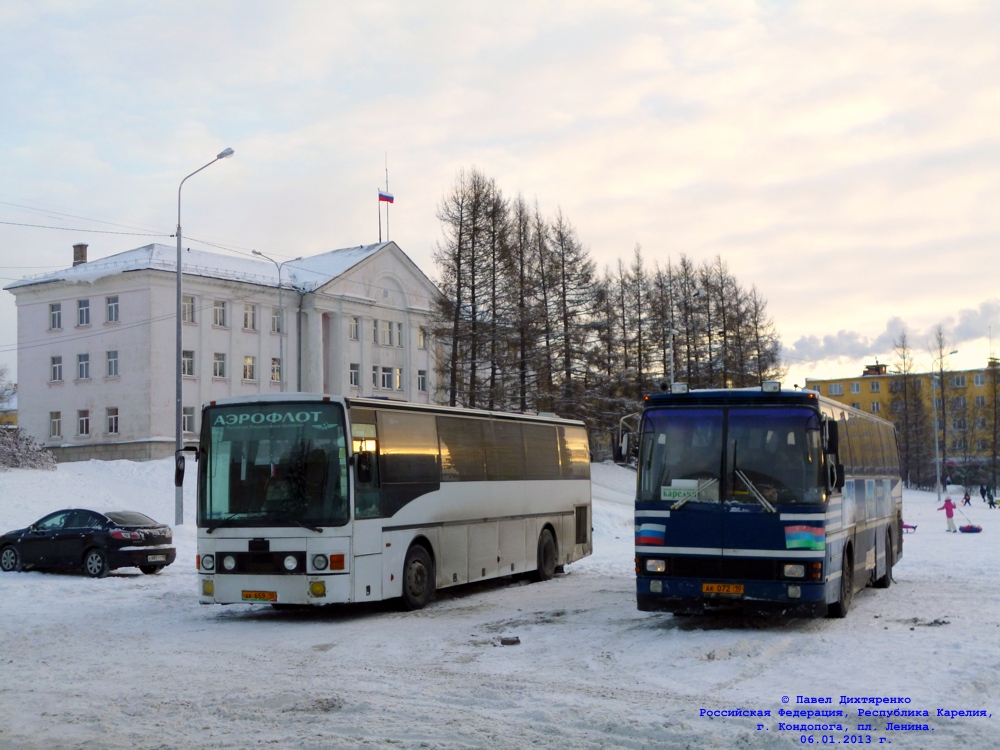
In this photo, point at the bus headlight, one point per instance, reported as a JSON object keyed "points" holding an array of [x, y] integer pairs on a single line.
{"points": [[290, 562], [317, 588], [656, 566], [320, 562], [207, 588], [208, 562], [794, 591], [794, 571], [229, 562]]}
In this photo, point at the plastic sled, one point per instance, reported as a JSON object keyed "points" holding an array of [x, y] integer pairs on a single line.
{"points": [[908, 529], [970, 528]]}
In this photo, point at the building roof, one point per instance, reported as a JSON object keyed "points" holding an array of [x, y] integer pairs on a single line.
{"points": [[305, 275]]}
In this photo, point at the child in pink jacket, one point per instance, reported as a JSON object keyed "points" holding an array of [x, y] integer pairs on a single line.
{"points": [[949, 512]]}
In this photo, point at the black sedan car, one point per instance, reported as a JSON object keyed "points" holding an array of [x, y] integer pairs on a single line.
{"points": [[90, 541]]}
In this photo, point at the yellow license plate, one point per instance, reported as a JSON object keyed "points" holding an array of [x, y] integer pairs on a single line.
{"points": [[735, 589], [260, 596]]}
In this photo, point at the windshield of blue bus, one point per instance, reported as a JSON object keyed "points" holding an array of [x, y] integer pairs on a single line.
{"points": [[770, 452], [274, 464]]}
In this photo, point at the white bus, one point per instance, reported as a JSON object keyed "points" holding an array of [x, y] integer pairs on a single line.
{"points": [[311, 499]]}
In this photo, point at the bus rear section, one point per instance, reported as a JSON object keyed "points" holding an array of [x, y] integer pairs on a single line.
{"points": [[735, 494]]}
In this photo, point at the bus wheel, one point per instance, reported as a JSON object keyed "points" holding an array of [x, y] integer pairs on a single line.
{"points": [[418, 578], [546, 556], [840, 608], [886, 581]]}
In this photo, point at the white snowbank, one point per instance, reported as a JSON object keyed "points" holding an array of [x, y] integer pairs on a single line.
{"points": [[133, 661]]}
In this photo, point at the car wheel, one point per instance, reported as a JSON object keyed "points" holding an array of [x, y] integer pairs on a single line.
{"points": [[95, 563], [418, 578], [886, 581], [151, 570], [841, 607], [546, 556], [10, 560]]}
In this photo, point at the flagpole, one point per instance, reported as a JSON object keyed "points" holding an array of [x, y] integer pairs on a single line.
{"points": [[386, 190], [379, 204]]}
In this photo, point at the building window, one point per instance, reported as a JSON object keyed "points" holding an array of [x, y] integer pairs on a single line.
{"points": [[957, 381], [187, 418], [55, 316], [958, 423], [353, 328], [187, 363], [399, 378], [399, 334], [275, 370], [982, 445], [855, 387], [835, 389], [385, 333], [959, 402], [249, 368], [374, 331], [276, 319], [980, 423], [113, 363], [876, 386], [83, 422], [55, 371], [421, 338], [219, 313], [374, 376], [980, 400], [187, 309], [958, 444], [855, 404], [422, 380], [55, 424], [387, 378], [112, 307], [83, 312], [355, 375], [979, 379], [83, 367], [876, 407], [112, 420], [249, 317], [937, 403], [219, 365]]}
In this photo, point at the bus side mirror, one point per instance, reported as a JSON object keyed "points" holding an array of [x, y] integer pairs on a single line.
{"points": [[832, 437], [363, 466], [179, 469], [835, 474]]}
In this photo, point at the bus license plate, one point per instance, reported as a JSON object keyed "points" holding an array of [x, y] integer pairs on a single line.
{"points": [[733, 589], [156, 558], [260, 596]]}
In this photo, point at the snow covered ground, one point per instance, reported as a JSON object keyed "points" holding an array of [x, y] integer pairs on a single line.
{"points": [[133, 661]]}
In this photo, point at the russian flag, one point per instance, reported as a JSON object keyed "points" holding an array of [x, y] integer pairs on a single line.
{"points": [[384, 196], [805, 537], [651, 533]]}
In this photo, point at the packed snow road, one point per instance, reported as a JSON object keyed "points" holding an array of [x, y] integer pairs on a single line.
{"points": [[133, 661]]}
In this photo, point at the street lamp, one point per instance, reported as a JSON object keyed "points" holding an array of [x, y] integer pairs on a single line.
{"points": [[281, 308], [673, 332], [178, 421], [937, 453]]}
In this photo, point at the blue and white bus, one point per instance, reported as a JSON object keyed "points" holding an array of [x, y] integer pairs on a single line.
{"points": [[312, 499], [770, 499]]}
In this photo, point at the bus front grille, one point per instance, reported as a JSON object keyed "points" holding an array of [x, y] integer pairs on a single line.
{"points": [[723, 567]]}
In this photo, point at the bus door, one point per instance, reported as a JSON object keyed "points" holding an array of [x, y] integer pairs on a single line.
{"points": [[366, 537], [680, 464]]}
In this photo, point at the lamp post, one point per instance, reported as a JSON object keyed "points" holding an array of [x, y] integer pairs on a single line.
{"points": [[178, 416], [673, 332], [281, 308], [937, 453]]}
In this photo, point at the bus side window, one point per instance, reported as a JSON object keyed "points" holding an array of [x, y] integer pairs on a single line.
{"points": [[364, 436]]}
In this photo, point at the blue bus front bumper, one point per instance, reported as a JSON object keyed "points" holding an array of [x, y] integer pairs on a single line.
{"points": [[685, 595]]}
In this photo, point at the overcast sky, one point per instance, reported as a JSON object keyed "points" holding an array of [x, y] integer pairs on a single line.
{"points": [[841, 156]]}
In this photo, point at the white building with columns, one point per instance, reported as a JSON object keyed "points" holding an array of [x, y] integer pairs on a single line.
{"points": [[96, 342]]}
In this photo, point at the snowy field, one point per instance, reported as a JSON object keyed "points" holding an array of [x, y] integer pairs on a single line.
{"points": [[134, 661]]}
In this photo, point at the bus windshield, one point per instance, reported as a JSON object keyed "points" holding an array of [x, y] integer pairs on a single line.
{"points": [[774, 453], [274, 464]]}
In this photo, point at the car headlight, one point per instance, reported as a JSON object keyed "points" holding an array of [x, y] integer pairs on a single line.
{"points": [[795, 571], [320, 562], [208, 562], [656, 566], [229, 562], [290, 562]]}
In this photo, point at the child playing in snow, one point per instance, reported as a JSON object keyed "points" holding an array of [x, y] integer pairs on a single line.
{"points": [[949, 512]]}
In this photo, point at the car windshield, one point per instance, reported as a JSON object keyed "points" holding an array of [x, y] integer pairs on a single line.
{"points": [[273, 465], [772, 454], [131, 518]]}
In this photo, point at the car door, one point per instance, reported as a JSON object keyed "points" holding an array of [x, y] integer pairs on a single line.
{"points": [[76, 536], [40, 544]]}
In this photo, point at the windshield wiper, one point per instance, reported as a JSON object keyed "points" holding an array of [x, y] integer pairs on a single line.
{"points": [[754, 491], [694, 493], [233, 520]]}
